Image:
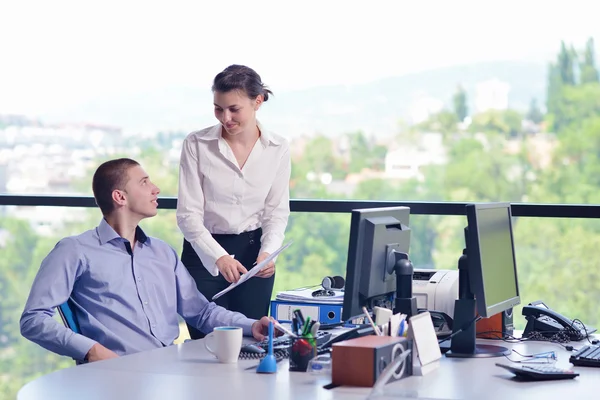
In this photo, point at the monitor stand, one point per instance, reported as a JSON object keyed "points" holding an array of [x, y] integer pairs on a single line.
{"points": [[405, 302], [464, 331]]}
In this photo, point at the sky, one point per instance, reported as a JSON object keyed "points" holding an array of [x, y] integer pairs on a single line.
{"points": [[59, 53]]}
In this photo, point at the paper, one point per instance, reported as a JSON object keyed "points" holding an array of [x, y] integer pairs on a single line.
{"points": [[252, 272], [305, 296]]}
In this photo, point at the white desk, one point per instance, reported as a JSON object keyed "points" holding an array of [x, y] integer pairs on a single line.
{"points": [[188, 371]]}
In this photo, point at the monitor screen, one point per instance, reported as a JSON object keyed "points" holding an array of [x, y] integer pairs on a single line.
{"points": [[375, 234], [491, 255]]}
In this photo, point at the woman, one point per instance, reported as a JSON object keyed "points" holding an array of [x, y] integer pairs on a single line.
{"points": [[233, 203]]}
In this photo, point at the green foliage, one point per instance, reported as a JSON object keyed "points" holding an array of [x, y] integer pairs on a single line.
{"points": [[493, 161], [460, 104], [506, 122], [534, 114], [566, 65], [444, 122], [589, 71]]}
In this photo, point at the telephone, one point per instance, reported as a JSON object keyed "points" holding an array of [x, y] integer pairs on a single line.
{"points": [[540, 318]]}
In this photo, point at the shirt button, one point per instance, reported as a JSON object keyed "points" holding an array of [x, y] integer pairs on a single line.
{"points": [[153, 326], [139, 279], [145, 303]]}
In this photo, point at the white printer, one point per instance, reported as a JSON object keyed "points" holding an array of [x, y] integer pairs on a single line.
{"points": [[435, 289]]}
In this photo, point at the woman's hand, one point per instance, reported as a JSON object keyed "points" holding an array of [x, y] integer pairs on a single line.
{"points": [[267, 271], [230, 268]]}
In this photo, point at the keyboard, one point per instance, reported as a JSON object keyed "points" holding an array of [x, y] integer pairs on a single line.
{"points": [[587, 356], [539, 372]]}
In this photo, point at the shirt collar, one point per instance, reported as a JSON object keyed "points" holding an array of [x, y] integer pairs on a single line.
{"points": [[266, 137], [106, 233]]}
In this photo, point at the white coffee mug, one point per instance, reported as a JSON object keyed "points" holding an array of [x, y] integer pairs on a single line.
{"points": [[228, 343]]}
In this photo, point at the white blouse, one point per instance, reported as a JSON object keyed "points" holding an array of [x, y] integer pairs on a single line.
{"points": [[216, 196]]}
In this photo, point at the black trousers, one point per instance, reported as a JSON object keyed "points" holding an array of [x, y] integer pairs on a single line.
{"points": [[251, 298]]}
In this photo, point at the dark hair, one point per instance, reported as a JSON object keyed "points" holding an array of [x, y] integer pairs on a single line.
{"points": [[109, 176], [240, 77]]}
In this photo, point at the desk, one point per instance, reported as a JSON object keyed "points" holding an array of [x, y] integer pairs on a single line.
{"points": [[188, 371]]}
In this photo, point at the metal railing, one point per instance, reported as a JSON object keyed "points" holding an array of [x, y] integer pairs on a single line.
{"points": [[337, 206]]}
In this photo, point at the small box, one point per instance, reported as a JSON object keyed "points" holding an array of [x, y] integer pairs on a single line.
{"points": [[360, 361], [497, 326]]}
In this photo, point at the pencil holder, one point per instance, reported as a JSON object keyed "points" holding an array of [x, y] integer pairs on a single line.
{"points": [[303, 350]]}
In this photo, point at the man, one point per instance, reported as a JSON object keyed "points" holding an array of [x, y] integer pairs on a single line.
{"points": [[127, 288]]}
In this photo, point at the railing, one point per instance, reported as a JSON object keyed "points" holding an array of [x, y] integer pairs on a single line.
{"points": [[337, 206]]}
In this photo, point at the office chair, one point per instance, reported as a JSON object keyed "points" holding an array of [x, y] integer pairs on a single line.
{"points": [[65, 310]]}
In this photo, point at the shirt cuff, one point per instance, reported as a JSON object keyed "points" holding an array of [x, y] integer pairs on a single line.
{"points": [[209, 261], [246, 325], [80, 346]]}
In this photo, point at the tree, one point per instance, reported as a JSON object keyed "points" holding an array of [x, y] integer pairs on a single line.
{"points": [[460, 104], [589, 72], [566, 65], [534, 114]]}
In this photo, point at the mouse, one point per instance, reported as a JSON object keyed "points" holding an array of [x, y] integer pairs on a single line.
{"points": [[252, 348]]}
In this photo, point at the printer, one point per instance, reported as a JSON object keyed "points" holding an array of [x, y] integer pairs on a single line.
{"points": [[435, 289]]}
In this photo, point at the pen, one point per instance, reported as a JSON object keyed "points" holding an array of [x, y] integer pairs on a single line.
{"points": [[315, 328], [401, 332], [306, 327], [299, 316], [283, 329], [375, 328]]}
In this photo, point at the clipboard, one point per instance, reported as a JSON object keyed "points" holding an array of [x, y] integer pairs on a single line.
{"points": [[252, 272]]}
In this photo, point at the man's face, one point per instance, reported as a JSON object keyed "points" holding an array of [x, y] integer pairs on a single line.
{"points": [[140, 193]]}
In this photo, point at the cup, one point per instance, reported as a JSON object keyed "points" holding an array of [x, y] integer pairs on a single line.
{"points": [[225, 342], [302, 351]]}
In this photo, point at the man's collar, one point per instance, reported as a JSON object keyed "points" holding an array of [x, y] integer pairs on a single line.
{"points": [[106, 233]]}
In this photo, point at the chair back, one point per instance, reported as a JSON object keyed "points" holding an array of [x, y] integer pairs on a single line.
{"points": [[68, 316]]}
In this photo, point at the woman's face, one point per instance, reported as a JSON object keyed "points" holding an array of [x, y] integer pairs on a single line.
{"points": [[236, 111]]}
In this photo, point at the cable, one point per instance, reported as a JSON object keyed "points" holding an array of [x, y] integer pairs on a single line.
{"points": [[462, 328]]}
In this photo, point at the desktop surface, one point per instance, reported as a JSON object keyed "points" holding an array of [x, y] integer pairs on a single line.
{"points": [[188, 371]]}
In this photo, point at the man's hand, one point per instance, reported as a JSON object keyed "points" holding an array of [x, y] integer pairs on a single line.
{"points": [[267, 271], [99, 352], [230, 268], [260, 329]]}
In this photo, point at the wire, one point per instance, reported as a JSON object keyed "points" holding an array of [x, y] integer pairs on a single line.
{"points": [[557, 338], [462, 328]]}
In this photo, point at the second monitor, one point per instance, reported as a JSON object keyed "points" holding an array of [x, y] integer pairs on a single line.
{"points": [[378, 238]]}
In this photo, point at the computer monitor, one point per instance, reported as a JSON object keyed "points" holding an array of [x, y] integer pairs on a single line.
{"points": [[378, 236], [488, 282]]}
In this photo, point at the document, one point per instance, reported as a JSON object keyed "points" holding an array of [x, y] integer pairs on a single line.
{"points": [[252, 272], [304, 295]]}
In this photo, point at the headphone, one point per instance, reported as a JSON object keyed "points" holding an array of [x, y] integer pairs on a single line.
{"points": [[333, 282], [328, 283]]}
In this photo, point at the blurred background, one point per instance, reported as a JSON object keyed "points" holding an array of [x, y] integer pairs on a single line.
{"points": [[381, 100]]}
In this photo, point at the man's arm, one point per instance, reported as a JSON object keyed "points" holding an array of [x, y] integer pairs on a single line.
{"points": [[198, 311], [51, 287]]}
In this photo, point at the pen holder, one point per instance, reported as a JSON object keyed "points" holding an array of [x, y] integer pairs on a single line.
{"points": [[303, 350]]}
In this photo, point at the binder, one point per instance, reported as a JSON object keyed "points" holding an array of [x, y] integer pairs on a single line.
{"points": [[282, 311]]}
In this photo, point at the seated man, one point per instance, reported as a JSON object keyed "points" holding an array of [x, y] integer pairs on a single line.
{"points": [[127, 288]]}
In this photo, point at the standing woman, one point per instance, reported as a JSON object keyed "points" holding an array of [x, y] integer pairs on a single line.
{"points": [[233, 203]]}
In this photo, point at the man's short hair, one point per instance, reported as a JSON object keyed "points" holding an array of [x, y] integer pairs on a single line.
{"points": [[109, 176]]}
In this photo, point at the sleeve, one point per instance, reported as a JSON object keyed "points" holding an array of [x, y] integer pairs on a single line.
{"points": [[52, 287], [197, 311], [190, 211], [277, 206]]}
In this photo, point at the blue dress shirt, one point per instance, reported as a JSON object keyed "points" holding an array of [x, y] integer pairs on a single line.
{"points": [[126, 300]]}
